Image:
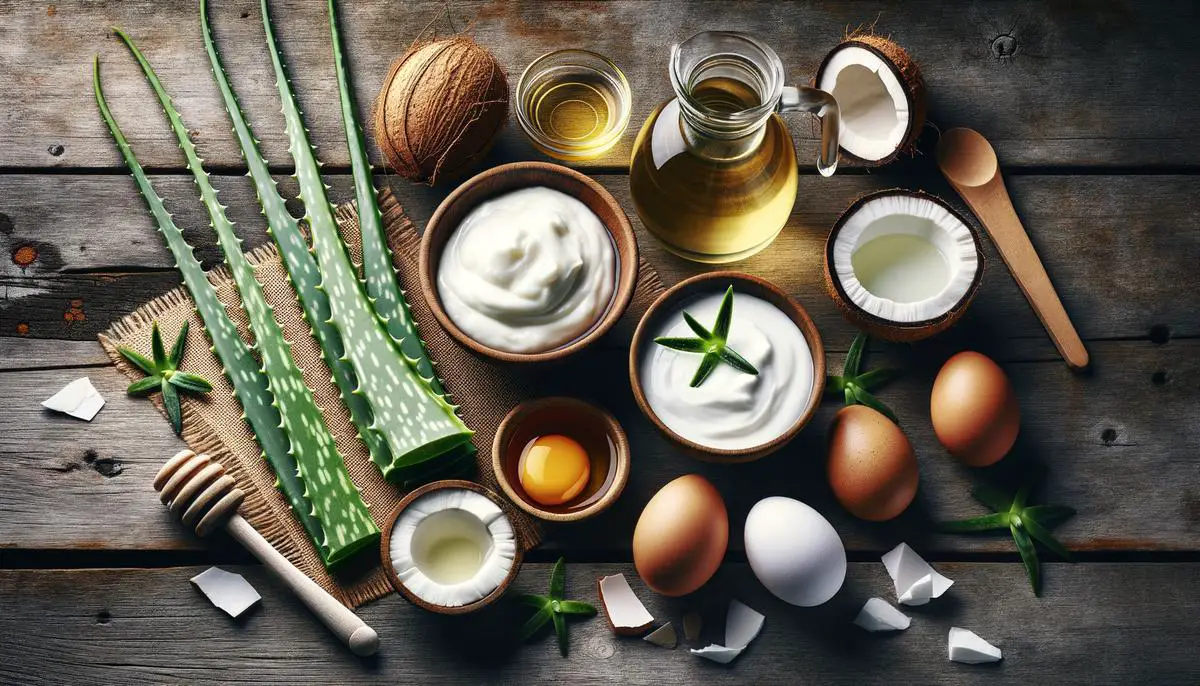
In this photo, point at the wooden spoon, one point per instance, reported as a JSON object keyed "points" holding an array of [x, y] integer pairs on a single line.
{"points": [[969, 163], [197, 490]]}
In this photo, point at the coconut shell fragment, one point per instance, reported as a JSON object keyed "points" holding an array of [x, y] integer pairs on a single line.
{"points": [[440, 109], [882, 97]]}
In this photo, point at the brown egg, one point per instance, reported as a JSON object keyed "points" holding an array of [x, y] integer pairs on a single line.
{"points": [[974, 409], [872, 469], [681, 536]]}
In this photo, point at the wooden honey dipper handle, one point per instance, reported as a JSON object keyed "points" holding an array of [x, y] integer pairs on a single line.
{"points": [[197, 489]]}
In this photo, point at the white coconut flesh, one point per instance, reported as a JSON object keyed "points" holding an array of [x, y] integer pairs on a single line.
{"points": [[905, 258], [452, 547], [874, 108]]}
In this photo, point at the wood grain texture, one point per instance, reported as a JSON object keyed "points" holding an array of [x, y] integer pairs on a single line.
{"points": [[1051, 84], [1122, 250], [1111, 441], [125, 626]]}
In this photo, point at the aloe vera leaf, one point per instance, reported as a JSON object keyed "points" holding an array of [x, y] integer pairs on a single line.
{"points": [[417, 423], [336, 501], [240, 367], [380, 276], [298, 259]]}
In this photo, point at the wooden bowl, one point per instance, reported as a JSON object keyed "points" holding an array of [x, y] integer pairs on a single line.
{"points": [[742, 283], [592, 426], [515, 176], [385, 543]]}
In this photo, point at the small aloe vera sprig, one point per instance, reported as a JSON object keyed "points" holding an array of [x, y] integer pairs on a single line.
{"points": [[244, 372], [553, 608], [379, 275], [337, 503], [163, 374], [1026, 523], [855, 387], [712, 344], [418, 424]]}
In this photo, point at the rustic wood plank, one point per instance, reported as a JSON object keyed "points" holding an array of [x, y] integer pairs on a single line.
{"points": [[1037, 79], [122, 626], [1108, 439], [1122, 250]]}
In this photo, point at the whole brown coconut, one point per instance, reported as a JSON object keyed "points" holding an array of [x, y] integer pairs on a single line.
{"points": [[440, 109]]}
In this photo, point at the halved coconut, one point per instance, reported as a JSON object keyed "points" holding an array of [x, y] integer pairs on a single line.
{"points": [[450, 547], [902, 265], [880, 94]]}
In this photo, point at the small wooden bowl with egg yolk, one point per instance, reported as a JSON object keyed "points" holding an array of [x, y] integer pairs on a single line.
{"points": [[589, 427]]}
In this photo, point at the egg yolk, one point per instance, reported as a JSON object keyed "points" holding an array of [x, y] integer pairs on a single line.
{"points": [[554, 469]]}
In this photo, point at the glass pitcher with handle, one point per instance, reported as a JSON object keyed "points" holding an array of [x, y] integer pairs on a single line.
{"points": [[713, 173]]}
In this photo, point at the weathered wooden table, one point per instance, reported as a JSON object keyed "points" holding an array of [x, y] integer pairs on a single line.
{"points": [[1093, 113]]}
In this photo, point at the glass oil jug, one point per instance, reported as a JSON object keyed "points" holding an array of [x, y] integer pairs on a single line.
{"points": [[713, 173]]}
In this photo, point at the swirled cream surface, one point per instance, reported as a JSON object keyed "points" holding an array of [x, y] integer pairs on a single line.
{"points": [[528, 271], [731, 410]]}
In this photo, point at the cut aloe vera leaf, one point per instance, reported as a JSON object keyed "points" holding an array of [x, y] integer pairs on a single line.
{"points": [[243, 371], [417, 423], [299, 261], [380, 276], [335, 500]]}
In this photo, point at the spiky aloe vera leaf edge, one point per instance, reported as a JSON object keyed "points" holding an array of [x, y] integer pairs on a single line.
{"points": [[417, 423], [380, 276], [297, 259], [242, 370], [335, 500]]}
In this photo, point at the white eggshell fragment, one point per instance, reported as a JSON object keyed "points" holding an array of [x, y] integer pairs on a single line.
{"points": [[228, 591], [969, 648], [794, 551], [664, 636], [916, 582], [626, 614], [80, 399], [878, 615], [742, 625]]}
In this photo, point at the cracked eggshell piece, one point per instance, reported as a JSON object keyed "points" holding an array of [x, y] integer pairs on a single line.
{"points": [[625, 613], [450, 548], [880, 95], [878, 615], [80, 399], [916, 582], [664, 637], [967, 647], [742, 625], [226, 590], [902, 265]]}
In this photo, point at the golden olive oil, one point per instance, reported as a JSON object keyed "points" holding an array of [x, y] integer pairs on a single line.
{"points": [[575, 113], [710, 199]]}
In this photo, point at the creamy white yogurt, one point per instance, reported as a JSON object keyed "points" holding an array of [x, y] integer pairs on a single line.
{"points": [[528, 271], [731, 409]]}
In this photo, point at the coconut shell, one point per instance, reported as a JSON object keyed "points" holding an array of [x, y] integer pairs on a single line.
{"points": [[440, 109], [900, 332], [907, 73]]}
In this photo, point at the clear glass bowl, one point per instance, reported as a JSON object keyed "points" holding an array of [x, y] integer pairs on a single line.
{"points": [[573, 104]]}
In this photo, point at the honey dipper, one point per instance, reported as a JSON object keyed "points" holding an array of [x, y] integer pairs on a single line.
{"points": [[197, 489]]}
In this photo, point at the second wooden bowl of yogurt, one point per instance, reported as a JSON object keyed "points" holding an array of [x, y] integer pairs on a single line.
{"points": [[528, 262], [733, 415]]}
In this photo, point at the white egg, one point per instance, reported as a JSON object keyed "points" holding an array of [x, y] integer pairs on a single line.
{"points": [[794, 551]]}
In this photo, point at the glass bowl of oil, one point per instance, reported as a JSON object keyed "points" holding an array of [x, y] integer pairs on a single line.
{"points": [[573, 104], [561, 459]]}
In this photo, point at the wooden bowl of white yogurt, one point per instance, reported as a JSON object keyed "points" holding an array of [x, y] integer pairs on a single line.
{"points": [[733, 415], [528, 262]]}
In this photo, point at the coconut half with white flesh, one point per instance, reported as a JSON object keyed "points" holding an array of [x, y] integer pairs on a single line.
{"points": [[450, 547], [902, 265], [880, 95]]}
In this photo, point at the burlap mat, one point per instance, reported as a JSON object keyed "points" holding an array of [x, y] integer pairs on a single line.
{"points": [[212, 424]]}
